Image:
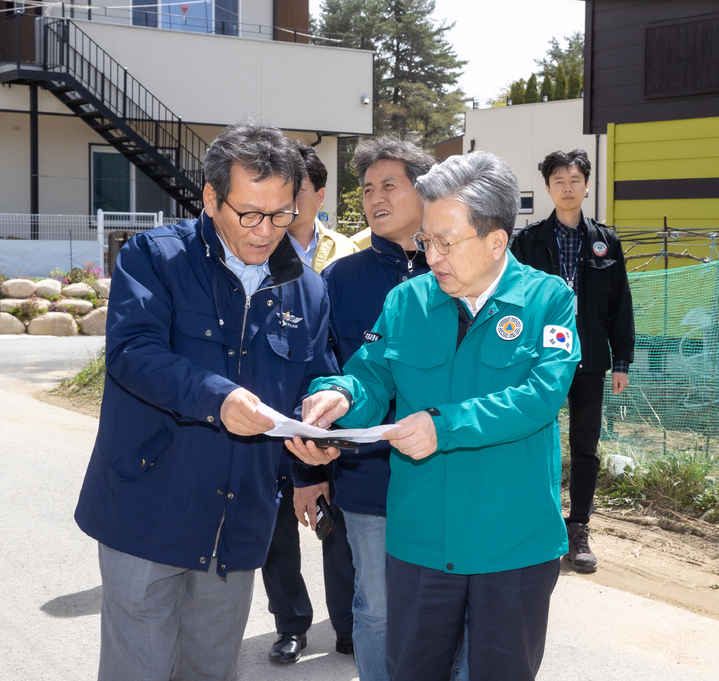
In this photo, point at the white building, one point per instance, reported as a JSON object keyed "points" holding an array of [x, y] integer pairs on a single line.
{"points": [[523, 135], [112, 107]]}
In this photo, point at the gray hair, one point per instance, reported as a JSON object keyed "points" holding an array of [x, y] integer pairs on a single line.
{"points": [[416, 161], [261, 150], [481, 181]]}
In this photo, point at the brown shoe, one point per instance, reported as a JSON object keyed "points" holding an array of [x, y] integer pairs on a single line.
{"points": [[580, 554]]}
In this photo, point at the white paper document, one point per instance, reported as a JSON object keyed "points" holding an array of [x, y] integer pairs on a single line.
{"points": [[287, 428]]}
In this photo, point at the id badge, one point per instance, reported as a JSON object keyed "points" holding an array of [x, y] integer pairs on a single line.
{"points": [[576, 304]]}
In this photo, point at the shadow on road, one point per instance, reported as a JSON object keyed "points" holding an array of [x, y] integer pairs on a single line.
{"points": [[79, 604]]}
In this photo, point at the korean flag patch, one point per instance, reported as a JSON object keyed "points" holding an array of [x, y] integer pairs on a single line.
{"points": [[557, 337]]}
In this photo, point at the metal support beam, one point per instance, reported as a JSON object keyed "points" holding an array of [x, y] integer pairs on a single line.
{"points": [[34, 163]]}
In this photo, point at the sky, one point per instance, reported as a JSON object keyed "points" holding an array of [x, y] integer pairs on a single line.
{"points": [[501, 38]]}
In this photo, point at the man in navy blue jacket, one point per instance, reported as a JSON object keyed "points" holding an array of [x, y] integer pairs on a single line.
{"points": [[358, 285], [206, 319]]}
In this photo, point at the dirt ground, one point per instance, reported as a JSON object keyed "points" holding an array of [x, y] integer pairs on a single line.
{"points": [[665, 560]]}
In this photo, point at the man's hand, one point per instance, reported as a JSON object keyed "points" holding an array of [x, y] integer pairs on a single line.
{"points": [[619, 382], [310, 453], [240, 416], [324, 408], [415, 436], [306, 502]]}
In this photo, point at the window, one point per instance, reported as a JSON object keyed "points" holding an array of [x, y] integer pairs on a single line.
{"points": [[119, 186], [144, 13], [526, 202]]}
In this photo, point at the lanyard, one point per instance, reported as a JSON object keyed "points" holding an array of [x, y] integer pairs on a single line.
{"points": [[567, 278]]}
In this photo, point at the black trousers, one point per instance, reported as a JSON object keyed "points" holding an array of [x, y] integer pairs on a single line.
{"points": [[585, 425], [289, 601], [507, 615]]}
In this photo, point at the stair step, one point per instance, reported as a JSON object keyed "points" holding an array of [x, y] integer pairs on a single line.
{"points": [[147, 164], [76, 102], [131, 152], [105, 127], [119, 140], [59, 89], [90, 114], [160, 176]]}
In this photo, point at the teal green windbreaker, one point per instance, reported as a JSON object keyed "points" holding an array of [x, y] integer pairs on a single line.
{"points": [[488, 499]]}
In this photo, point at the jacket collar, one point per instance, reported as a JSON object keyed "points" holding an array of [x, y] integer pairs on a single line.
{"points": [[285, 265], [389, 253], [509, 291]]}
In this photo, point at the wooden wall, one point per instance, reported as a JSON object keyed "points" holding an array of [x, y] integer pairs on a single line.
{"points": [[650, 60], [294, 15], [451, 147]]}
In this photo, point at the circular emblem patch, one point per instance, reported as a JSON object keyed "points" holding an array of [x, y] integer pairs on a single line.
{"points": [[508, 328], [599, 248], [561, 337]]}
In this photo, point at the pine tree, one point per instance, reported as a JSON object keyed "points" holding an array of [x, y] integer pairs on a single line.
{"points": [[574, 84], [416, 70], [556, 55], [530, 94], [560, 84], [516, 91], [547, 89]]}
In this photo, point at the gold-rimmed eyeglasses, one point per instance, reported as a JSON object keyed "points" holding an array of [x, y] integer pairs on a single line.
{"points": [[252, 218], [441, 245]]}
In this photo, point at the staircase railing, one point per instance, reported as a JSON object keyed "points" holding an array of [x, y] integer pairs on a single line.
{"points": [[61, 47]]}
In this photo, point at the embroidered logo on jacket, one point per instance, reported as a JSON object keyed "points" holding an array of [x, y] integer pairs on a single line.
{"points": [[370, 336], [509, 328], [599, 248], [557, 337], [288, 319]]}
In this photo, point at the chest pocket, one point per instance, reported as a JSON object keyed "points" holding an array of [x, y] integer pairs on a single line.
{"points": [[507, 354], [291, 348], [416, 356], [199, 326]]}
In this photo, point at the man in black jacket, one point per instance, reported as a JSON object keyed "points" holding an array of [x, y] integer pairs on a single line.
{"points": [[589, 257]]}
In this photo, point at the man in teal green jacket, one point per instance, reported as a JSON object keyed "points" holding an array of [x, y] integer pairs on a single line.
{"points": [[479, 355]]}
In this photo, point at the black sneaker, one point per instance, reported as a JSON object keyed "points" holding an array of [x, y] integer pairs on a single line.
{"points": [[580, 554]]}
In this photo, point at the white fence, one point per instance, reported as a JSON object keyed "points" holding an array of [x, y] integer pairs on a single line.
{"points": [[35, 245]]}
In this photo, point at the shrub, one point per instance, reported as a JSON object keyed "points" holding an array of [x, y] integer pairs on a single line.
{"points": [[80, 276], [27, 310]]}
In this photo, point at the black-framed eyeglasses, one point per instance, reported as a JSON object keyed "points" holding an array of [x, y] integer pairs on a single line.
{"points": [[252, 218], [441, 245]]}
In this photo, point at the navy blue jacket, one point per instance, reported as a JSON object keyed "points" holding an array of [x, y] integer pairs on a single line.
{"points": [[358, 285], [181, 336]]}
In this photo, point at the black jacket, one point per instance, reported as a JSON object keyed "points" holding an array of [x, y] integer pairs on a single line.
{"points": [[605, 317]]}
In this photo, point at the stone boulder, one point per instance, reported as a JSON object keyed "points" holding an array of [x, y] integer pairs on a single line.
{"points": [[7, 304], [53, 324], [102, 287], [48, 288], [94, 323], [79, 306], [78, 290], [17, 288], [10, 324]]}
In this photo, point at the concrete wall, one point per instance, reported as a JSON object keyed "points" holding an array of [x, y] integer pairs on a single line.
{"points": [[220, 80], [523, 135]]}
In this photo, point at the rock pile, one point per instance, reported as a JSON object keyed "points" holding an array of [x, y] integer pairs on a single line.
{"points": [[64, 310]]}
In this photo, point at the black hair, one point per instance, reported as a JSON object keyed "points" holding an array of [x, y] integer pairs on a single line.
{"points": [[316, 170], [561, 159]]}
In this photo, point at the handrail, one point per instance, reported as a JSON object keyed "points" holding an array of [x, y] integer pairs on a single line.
{"points": [[66, 49]]}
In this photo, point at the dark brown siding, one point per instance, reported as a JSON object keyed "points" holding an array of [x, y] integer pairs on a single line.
{"points": [[650, 60], [453, 147], [294, 17]]}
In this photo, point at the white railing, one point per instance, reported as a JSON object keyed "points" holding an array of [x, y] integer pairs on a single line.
{"points": [[37, 239]]}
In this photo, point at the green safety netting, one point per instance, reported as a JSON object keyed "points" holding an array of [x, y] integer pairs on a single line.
{"points": [[672, 403]]}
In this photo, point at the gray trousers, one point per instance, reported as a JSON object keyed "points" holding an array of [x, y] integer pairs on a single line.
{"points": [[162, 623]]}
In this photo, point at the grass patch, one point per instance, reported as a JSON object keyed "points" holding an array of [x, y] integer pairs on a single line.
{"points": [[680, 482], [87, 386]]}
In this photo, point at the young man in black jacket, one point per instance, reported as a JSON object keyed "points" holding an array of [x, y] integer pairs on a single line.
{"points": [[589, 257]]}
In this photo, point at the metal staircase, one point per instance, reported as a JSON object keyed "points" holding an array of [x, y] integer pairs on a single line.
{"points": [[74, 68]]}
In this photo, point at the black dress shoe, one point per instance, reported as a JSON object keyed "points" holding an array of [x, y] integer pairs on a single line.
{"points": [[287, 648], [345, 646]]}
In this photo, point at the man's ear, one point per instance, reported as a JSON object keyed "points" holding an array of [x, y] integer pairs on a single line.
{"points": [[209, 198], [499, 239], [320, 197]]}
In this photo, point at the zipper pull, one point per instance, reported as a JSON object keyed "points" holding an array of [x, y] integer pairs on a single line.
{"points": [[248, 300], [409, 266]]}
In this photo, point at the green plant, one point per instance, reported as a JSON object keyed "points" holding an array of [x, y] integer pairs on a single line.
{"points": [[82, 276], [27, 310], [3, 278], [87, 385], [58, 274], [679, 481]]}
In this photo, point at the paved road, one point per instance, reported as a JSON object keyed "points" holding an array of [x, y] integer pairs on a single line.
{"points": [[50, 585]]}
